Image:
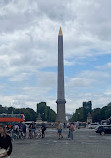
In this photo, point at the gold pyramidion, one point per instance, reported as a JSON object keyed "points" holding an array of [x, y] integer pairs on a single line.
{"points": [[60, 32]]}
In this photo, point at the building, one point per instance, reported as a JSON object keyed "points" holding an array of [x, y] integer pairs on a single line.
{"points": [[88, 106]]}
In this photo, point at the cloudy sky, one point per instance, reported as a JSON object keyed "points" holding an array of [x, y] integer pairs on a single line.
{"points": [[28, 52]]}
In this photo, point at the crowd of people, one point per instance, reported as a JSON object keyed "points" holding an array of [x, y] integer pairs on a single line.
{"points": [[17, 131], [22, 131]]}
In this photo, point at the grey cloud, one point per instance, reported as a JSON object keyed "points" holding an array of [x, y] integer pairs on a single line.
{"points": [[96, 18], [18, 15], [23, 14], [57, 10]]}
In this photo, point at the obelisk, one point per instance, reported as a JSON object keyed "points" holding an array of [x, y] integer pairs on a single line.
{"points": [[60, 82]]}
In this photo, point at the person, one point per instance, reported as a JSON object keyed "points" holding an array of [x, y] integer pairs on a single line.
{"points": [[59, 130], [71, 128], [5, 142], [39, 134], [64, 125], [43, 128], [30, 131], [24, 129], [17, 131], [33, 129]]}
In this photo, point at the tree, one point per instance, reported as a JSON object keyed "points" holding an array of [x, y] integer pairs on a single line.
{"points": [[78, 115], [45, 112], [30, 114], [101, 114], [96, 115]]}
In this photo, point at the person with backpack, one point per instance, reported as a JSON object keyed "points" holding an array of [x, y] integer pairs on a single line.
{"points": [[43, 128]]}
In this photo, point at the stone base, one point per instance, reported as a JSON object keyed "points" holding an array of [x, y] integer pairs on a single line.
{"points": [[61, 111]]}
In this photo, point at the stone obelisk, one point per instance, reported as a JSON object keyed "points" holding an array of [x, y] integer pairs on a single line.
{"points": [[60, 83]]}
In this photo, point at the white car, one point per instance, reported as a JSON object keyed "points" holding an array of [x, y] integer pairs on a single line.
{"points": [[93, 125]]}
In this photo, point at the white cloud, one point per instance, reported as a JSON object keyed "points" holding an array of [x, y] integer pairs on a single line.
{"points": [[28, 51], [80, 82]]}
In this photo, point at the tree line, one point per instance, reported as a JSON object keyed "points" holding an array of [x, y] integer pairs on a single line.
{"points": [[46, 113], [98, 114]]}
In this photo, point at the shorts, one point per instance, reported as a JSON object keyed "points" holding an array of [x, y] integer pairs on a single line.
{"points": [[33, 130], [59, 131]]}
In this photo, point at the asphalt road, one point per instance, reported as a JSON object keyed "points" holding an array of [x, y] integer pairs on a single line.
{"points": [[86, 144]]}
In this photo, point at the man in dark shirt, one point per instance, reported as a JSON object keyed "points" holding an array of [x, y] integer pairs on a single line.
{"points": [[43, 130], [5, 141]]}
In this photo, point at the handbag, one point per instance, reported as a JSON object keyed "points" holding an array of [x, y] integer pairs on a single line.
{"points": [[2, 151]]}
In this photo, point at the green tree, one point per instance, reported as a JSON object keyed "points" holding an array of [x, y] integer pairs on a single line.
{"points": [[45, 112], [30, 114], [78, 115], [96, 115]]}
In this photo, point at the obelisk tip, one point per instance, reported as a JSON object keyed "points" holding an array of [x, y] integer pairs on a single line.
{"points": [[60, 31]]}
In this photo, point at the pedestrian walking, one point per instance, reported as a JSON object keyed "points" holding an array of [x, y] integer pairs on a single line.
{"points": [[59, 129], [33, 129], [5, 143], [43, 128], [24, 129], [71, 129]]}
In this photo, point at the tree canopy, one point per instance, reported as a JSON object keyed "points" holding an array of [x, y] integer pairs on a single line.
{"points": [[98, 114], [45, 112]]}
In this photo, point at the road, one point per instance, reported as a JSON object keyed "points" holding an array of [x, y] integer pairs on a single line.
{"points": [[86, 144]]}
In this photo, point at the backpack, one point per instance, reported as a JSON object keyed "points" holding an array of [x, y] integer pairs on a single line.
{"points": [[44, 128], [72, 127]]}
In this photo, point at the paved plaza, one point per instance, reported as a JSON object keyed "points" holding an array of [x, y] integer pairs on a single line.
{"points": [[86, 144]]}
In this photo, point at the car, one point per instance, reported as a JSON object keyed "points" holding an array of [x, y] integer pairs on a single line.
{"points": [[103, 129], [93, 125]]}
